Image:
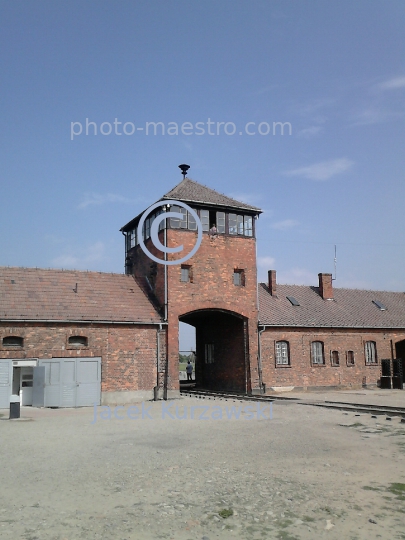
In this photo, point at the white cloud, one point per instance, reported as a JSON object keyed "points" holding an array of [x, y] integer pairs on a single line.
{"points": [[310, 131], [83, 260], [285, 224], [393, 84], [322, 170], [266, 262], [96, 199], [297, 276], [248, 198]]}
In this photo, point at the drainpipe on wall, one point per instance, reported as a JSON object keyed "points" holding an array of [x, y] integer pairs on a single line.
{"points": [[166, 374], [259, 362], [156, 388]]}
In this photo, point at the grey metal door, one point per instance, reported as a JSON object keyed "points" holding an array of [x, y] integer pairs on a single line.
{"points": [[68, 382], [6, 377], [72, 382], [52, 382], [88, 382], [38, 386]]}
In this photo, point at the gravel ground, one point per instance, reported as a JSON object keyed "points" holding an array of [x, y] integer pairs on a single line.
{"points": [[307, 473]]}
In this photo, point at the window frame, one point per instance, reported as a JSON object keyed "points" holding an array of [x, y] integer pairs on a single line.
{"points": [[277, 356], [315, 354], [350, 364], [18, 344], [188, 268], [333, 361], [83, 342], [370, 346], [241, 273]]}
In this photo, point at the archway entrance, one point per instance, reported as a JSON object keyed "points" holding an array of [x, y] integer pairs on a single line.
{"points": [[221, 350]]}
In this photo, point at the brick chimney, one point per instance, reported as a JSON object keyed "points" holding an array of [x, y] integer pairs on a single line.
{"points": [[325, 286], [272, 284]]}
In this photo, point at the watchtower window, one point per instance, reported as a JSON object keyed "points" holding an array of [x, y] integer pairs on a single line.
{"points": [[205, 220], [239, 278], [186, 274], [221, 222], [241, 225]]}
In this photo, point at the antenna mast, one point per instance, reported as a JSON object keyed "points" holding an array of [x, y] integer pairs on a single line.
{"points": [[335, 261]]}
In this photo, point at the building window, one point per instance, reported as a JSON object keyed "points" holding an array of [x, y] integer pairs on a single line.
{"points": [[221, 222], [350, 358], [209, 353], [370, 352], [317, 353], [248, 226], [239, 278], [186, 274], [241, 225], [282, 353], [13, 341], [192, 224], [334, 358], [205, 220], [78, 341]]}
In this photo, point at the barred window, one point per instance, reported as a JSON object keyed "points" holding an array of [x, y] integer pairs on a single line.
{"points": [[350, 358], [370, 352], [317, 352], [282, 354]]}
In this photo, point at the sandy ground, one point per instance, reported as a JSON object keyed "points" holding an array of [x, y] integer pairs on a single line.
{"points": [[307, 473]]}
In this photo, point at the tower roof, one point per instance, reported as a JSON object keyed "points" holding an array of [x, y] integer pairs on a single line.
{"points": [[191, 191]]}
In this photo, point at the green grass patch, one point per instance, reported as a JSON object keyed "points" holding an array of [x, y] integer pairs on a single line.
{"points": [[371, 488], [398, 490], [308, 519], [225, 513]]}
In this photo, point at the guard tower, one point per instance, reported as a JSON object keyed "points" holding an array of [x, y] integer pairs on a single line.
{"points": [[215, 290]]}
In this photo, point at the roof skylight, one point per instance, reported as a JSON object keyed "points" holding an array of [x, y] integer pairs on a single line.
{"points": [[380, 305], [293, 300]]}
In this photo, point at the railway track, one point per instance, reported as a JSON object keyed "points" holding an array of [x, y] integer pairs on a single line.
{"points": [[386, 410]]}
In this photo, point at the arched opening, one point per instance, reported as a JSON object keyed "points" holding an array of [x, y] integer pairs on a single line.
{"points": [[221, 350], [187, 354]]}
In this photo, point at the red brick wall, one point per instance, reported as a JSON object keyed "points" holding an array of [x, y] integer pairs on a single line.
{"points": [[212, 287], [128, 353], [302, 373], [213, 266]]}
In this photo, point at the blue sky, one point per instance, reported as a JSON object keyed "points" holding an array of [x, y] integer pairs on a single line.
{"points": [[334, 70]]}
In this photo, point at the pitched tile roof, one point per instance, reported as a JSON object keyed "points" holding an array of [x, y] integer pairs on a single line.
{"points": [[190, 191], [30, 293], [350, 308]]}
